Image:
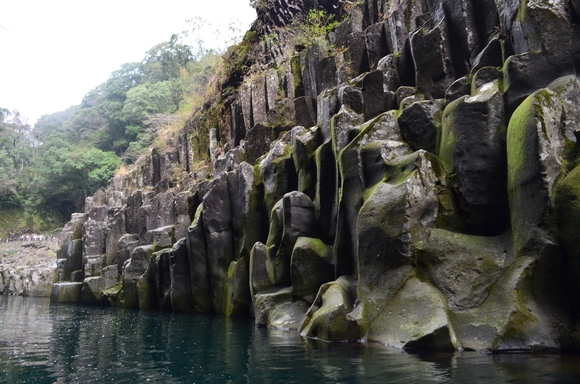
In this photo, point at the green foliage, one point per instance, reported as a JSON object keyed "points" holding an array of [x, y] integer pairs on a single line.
{"points": [[317, 23], [258, 4], [69, 155]]}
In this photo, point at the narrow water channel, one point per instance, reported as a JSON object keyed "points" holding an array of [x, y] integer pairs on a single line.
{"points": [[85, 344]]}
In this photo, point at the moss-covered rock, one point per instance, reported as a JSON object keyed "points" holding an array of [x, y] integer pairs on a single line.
{"points": [[510, 317], [266, 301], [416, 317], [132, 271], [277, 172], [198, 264], [534, 151], [237, 298], [310, 267], [396, 216], [66, 292], [327, 318], [463, 267], [261, 269], [472, 148]]}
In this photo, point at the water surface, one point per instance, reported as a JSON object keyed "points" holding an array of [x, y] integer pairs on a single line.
{"points": [[68, 343]]}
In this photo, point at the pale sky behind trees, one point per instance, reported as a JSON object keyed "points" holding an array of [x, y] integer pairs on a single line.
{"points": [[53, 52]]}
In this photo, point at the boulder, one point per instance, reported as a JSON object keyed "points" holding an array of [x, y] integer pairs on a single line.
{"points": [[396, 215], [327, 319], [464, 267], [310, 267], [420, 123], [510, 318], [472, 148], [161, 237], [415, 318], [275, 308], [534, 151], [261, 269], [66, 292]]}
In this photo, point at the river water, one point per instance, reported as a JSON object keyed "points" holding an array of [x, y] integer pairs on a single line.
{"points": [[40, 343]]}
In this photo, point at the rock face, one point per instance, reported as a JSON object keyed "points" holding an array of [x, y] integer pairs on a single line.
{"points": [[411, 179]]}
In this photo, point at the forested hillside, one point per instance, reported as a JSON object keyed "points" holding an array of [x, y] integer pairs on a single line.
{"points": [[47, 170]]}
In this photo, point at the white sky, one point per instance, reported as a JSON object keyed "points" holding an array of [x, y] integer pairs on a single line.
{"points": [[52, 52]]}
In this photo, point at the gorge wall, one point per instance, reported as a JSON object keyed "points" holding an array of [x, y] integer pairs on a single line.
{"points": [[410, 178]]}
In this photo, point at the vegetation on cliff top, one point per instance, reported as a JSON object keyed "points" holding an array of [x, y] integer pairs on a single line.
{"points": [[68, 155]]}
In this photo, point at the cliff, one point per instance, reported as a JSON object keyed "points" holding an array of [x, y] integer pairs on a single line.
{"points": [[408, 178]]}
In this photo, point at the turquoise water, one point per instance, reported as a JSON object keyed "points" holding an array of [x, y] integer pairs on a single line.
{"points": [[70, 344]]}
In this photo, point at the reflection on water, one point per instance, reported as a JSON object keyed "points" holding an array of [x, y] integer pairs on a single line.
{"points": [[62, 344]]}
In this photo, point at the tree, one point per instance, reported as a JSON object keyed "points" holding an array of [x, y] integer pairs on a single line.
{"points": [[164, 61]]}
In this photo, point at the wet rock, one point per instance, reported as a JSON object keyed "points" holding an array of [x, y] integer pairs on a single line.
{"points": [[310, 267], [430, 328], [272, 309], [327, 318], [66, 292]]}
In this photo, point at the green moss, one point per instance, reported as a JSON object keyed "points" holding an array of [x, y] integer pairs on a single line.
{"points": [[448, 136], [521, 141]]}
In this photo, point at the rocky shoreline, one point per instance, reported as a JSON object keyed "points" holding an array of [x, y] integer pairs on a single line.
{"points": [[410, 178], [28, 268]]}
